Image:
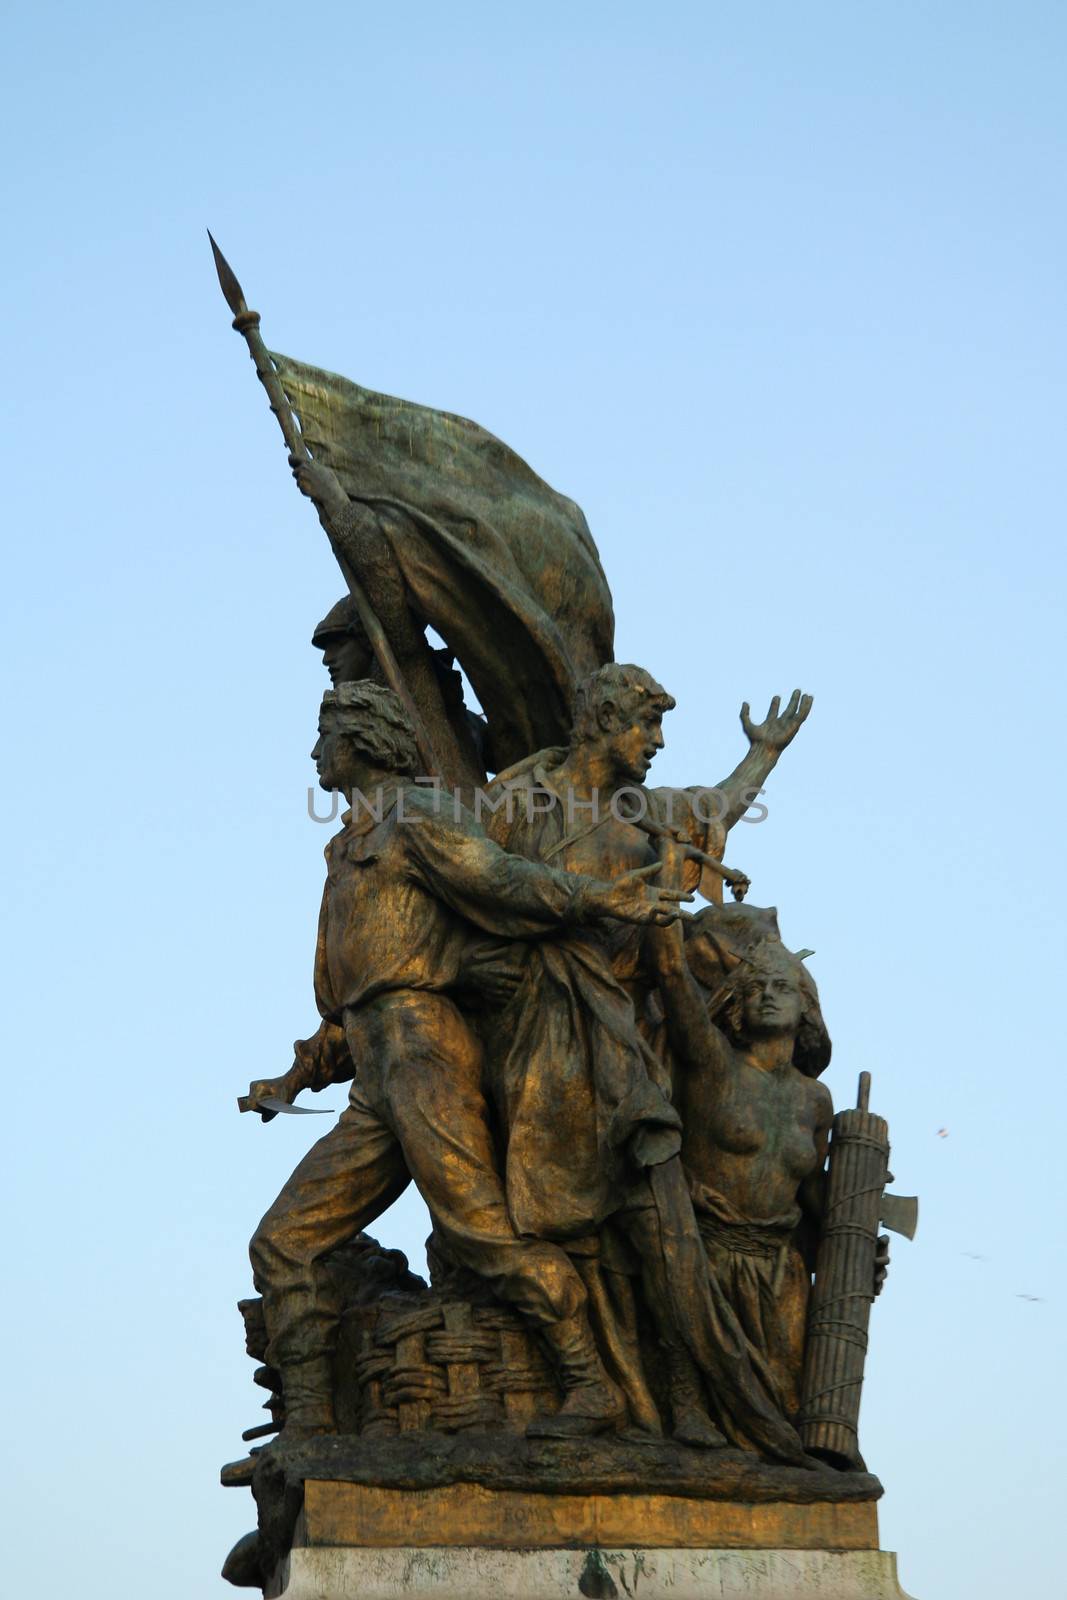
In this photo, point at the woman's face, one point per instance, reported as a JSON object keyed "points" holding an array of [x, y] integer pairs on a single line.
{"points": [[772, 1003]]}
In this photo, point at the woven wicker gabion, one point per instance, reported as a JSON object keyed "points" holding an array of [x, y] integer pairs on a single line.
{"points": [[423, 1362]]}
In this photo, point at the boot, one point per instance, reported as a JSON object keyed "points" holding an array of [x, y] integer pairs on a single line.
{"points": [[692, 1425], [307, 1389], [592, 1404]]}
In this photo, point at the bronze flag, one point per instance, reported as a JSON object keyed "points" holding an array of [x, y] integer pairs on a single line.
{"points": [[498, 563]]}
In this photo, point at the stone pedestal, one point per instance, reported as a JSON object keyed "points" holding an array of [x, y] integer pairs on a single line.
{"points": [[464, 1541], [325, 1573], [466, 1516]]}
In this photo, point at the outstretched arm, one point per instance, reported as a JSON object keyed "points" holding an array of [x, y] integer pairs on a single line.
{"points": [[692, 1033], [509, 896], [767, 740], [356, 532]]}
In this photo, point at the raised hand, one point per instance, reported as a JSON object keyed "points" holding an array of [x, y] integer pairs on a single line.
{"points": [[319, 482], [776, 731]]}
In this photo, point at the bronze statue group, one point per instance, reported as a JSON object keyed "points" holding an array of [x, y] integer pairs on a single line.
{"points": [[611, 1107]]}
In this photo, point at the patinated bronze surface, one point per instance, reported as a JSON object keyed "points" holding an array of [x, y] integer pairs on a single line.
{"points": [[654, 1248]]}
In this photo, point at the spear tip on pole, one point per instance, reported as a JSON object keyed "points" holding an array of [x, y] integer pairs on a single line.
{"points": [[233, 293]]}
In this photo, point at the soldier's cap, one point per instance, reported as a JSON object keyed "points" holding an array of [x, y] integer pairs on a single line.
{"points": [[342, 621]]}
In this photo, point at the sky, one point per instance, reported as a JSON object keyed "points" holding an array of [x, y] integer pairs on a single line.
{"points": [[775, 292]]}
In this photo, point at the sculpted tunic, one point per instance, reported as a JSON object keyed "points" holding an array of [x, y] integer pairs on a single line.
{"points": [[391, 885], [586, 1102], [569, 835], [573, 1078], [403, 896]]}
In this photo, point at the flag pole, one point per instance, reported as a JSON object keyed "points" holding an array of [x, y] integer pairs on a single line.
{"points": [[246, 323]]}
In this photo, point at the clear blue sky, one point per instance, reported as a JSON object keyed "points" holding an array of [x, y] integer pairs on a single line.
{"points": [[776, 293]]}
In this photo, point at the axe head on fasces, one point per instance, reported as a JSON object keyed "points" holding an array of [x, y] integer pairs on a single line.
{"points": [[900, 1213]]}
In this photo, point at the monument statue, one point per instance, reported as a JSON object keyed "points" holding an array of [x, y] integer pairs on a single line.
{"points": [[654, 1247]]}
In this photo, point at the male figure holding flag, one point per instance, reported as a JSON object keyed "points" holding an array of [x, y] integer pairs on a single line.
{"points": [[365, 537], [348, 656]]}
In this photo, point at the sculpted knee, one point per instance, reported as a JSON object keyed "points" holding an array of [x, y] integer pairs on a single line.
{"points": [[263, 1252], [553, 1291], [569, 1298]]}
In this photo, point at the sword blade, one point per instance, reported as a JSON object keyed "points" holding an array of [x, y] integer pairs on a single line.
{"points": [[272, 1103]]}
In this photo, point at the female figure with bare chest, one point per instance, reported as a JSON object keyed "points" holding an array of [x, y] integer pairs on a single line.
{"points": [[756, 1124]]}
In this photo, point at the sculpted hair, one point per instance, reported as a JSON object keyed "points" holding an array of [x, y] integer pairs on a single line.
{"points": [[375, 723], [629, 687]]}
